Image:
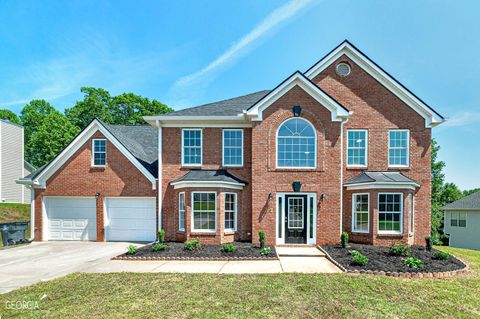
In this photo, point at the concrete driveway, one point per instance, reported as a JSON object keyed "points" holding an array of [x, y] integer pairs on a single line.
{"points": [[40, 261]]}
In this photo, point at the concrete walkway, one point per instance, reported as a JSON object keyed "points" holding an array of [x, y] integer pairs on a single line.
{"points": [[41, 261]]}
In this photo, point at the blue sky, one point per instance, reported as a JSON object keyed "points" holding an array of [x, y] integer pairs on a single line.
{"points": [[185, 53]]}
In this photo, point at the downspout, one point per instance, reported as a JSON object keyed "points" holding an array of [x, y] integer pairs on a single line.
{"points": [[344, 120], [32, 212], [159, 188]]}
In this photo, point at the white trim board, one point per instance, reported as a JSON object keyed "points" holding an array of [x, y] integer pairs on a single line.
{"points": [[431, 117], [384, 185], [298, 79], [207, 184], [78, 142]]}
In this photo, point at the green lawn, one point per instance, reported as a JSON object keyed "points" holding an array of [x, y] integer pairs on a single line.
{"points": [[130, 295], [13, 213]]}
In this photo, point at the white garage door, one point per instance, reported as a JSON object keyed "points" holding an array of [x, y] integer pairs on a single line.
{"points": [[70, 218], [130, 219]]}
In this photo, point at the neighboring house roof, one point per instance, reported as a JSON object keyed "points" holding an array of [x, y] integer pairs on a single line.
{"points": [[229, 107], [388, 179], [139, 143], [208, 178], [470, 202]]}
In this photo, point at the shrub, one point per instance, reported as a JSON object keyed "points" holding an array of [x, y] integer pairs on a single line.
{"points": [[265, 251], [428, 243], [193, 244], [344, 239], [413, 262], [229, 248], [358, 258], [440, 255], [161, 236], [262, 238], [400, 249], [159, 246], [132, 250]]}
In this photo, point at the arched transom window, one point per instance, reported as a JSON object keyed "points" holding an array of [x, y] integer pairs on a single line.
{"points": [[296, 142]]}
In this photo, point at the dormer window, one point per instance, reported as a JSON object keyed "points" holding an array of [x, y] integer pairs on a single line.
{"points": [[99, 154]]}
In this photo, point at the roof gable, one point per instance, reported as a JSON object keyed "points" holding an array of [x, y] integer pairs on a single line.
{"points": [[432, 118], [298, 79], [41, 176], [470, 202]]}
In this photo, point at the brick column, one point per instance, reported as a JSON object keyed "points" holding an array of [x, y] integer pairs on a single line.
{"points": [[100, 221]]}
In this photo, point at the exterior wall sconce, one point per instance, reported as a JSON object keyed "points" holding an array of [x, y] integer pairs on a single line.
{"points": [[323, 196], [297, 109], [97, 195], [270, 197]]}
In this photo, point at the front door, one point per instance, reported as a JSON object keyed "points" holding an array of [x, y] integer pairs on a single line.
{"points": [[295, 219]]}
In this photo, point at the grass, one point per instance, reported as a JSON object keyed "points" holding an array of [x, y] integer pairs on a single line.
{"points": [[137, 295], [13, 213]]}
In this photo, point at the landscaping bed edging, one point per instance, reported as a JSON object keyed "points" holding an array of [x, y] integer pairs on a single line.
{"points": [[440, 274], [176, 251]]}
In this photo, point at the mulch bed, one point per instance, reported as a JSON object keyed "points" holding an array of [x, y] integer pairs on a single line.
{"points": [[380, 260], [175, 251]]}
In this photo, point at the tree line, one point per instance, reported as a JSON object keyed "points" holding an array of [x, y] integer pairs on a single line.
{"points": [[48, 131]]}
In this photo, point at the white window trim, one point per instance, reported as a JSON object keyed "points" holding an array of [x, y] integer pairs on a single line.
{"points": [[458, 219], [201, 147], [223, 148], [315, 148], [389, 232], [303, 214], [193, 214], [408, 148], [366, 149], [235, 207], [180, 212], [93, 151], [354, 201], [411, 224]]}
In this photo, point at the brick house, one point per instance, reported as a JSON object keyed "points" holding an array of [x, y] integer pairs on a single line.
{"points": [[341, 147]]}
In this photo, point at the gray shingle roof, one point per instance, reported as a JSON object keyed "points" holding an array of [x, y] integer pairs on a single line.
{"points": [[141, 141], [471, 201], [219, 175], [379, 177], [230, 107]]}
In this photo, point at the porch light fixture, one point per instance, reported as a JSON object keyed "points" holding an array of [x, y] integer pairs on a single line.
{"points": [[270, 197], [323, 196], [297, 109], [97, 195]]}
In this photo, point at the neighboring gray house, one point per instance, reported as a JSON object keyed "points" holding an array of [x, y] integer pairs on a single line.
{"points": [[12, 164], [462, 222]]}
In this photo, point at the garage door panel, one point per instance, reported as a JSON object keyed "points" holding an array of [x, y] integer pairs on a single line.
{"points": [[131, 219], [71, 218]]}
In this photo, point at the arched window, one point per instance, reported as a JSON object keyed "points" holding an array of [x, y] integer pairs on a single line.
{"points": [[296, 144]]}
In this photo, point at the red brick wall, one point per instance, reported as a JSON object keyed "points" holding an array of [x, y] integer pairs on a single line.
{"points": [[212, 159], [77, 177], [325, 179], [376, 109]]}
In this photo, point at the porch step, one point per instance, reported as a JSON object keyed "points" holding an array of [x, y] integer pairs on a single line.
{"points": [[309, 251]]}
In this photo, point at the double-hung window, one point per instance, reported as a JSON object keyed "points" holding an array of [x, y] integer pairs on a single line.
{"points": [[296, 144], [390, 211], [181, 211], [357, 148], [360, 220], [99, 154], [192, 147], [230, 211], [398, 148], [458, 219], [232, 147], [204, 211]]}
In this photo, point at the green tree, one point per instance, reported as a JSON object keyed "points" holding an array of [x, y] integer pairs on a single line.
{"points": [[129, 108], [96, 103], [438, 178], [9, 116], [450, 193], [51, 137], [32, 116], [470, 191]]}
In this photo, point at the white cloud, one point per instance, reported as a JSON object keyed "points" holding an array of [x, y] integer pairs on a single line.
{"points": [[463, 119], [274, 19]]}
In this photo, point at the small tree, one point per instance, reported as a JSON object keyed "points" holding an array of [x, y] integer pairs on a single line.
{"points": [[262, 238], [161, 235], [344, 239]]}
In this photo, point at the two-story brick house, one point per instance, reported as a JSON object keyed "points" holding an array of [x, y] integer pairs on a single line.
{"points": [[340, 147]]}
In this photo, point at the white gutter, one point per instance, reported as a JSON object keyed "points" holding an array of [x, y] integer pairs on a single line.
{"points": [[32, 213], [159, 188]]}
